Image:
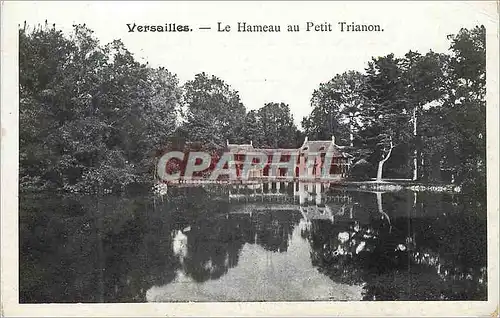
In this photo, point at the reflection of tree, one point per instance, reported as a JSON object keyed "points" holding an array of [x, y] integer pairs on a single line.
{"points": [[84, 249], [88, 249], [213, 246], [438, 256], [187, 204], [138, 257], [215, 242], [340, 250], [274, 228], [113, 249]]}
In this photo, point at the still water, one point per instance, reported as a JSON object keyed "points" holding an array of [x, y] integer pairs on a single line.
{"points": [[294, 243]]}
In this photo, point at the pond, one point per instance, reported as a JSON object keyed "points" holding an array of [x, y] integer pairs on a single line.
{"points": [[252, 243]]}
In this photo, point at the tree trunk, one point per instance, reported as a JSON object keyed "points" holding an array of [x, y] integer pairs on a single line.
{"points": [[415, 154], [351, 137], [381, 210], [436, 168], [379, 170], [381, 162], [99, 228], [351, 128]]}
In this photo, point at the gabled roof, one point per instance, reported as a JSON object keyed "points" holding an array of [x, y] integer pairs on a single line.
{"points": [[313, 146], [322, 146], [316, 146]]}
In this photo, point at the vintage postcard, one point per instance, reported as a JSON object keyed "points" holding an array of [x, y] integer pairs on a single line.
{"points": [[249, 158]]}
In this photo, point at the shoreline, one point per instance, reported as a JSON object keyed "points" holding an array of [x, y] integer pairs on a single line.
{"points": [[369, 185]]}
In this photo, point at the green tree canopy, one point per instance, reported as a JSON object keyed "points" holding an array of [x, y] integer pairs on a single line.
{"points": [[91, 116], [214, 111]]}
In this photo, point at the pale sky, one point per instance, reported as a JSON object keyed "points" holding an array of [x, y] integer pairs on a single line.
{"points": [[266, 67]]}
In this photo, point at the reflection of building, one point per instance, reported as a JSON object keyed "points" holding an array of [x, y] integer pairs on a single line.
{"points": [[312, 200], [307, 161]]}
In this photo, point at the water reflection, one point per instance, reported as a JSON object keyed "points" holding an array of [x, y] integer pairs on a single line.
{"points": [[270, 242]]}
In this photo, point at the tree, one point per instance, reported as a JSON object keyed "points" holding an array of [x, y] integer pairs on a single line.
{"points": [[385, 116], [454, 130], [252, 129], [466, 105], [277, 123], [423, 77], [337, 106], [423, 113], [214, 111], [323, 122], [90, 115]]}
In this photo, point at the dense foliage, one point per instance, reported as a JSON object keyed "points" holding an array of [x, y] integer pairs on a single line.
{"points": [[93, 118], [90, 115], [425, 114]]}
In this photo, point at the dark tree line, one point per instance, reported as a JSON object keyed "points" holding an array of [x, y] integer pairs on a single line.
{"points": [[93, 118], [419, 116], [90, 115]]}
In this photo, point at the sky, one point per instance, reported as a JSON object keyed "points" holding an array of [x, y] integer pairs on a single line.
{"points": [[265, 67]]}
